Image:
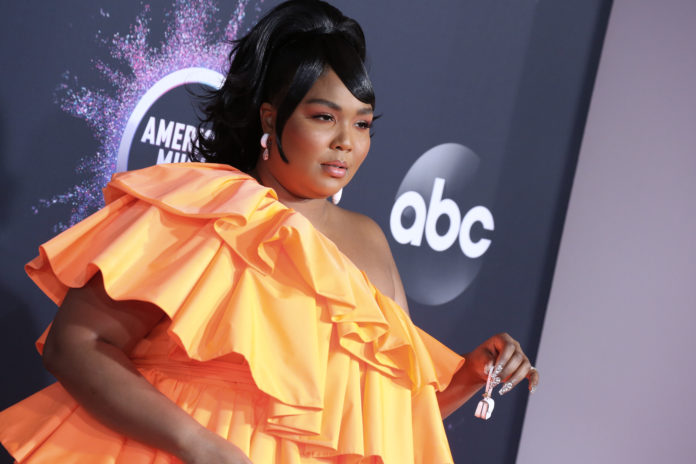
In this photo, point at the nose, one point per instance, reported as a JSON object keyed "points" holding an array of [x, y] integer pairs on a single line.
{"points": [[342, 141]]}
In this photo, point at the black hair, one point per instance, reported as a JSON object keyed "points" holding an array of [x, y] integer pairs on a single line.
{"points": [[278, 61]]}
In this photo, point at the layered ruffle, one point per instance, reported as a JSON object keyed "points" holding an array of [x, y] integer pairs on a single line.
{"points": [[338, 366]]}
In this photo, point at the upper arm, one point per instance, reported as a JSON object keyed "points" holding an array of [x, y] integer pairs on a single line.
{"points": [[88, 315], [400, 293]]}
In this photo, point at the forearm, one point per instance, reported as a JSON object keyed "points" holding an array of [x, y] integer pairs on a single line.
{"points": [[106, 383], [463, 386]]}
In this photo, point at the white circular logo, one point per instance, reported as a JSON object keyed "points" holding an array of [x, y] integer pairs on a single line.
{"points": [[164, 134], [441, 230]]}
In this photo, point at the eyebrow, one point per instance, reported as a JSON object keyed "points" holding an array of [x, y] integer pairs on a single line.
{"points": [[334, 106]]}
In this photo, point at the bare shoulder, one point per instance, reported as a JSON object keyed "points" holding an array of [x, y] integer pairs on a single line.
{"points": [[363, 241], [369, 230], [361, 237]]}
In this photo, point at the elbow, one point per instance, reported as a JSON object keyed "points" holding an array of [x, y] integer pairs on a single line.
{"points": [[54, 354], [50, 356]]}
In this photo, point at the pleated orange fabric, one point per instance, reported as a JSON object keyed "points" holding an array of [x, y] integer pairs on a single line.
{"points": [[274, 339]]}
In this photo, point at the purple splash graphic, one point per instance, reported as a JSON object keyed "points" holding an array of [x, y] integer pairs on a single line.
{"points": [[192, 39]]}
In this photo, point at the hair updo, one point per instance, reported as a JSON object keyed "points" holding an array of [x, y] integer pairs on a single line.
{"points": [[278, 61]]}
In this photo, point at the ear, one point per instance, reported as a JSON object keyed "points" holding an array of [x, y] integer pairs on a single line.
{"points": [[267, 113]]}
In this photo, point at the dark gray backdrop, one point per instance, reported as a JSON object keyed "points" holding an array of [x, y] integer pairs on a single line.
{"points": [[509, 79]]}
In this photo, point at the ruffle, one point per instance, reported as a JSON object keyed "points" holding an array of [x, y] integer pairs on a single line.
{"points": [[238, 273]]}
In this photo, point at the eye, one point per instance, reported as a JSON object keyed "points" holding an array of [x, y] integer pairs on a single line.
{"points": [[366, 124], [323, 117]]}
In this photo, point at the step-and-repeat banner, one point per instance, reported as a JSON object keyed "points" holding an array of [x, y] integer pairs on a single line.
{"points": [[483, 105]]}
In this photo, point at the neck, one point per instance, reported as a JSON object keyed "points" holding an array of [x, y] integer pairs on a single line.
{"points": [[315, 210]]}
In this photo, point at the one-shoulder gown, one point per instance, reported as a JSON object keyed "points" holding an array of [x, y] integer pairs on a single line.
{"points": [[273, 338]]}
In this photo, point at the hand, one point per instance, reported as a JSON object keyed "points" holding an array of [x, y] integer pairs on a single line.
{"points": [[504, 354], [209, 448]]}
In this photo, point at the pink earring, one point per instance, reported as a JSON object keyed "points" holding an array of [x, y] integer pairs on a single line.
{"points": [[264, 144]]}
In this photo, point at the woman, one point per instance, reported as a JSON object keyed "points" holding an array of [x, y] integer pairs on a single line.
{"points": [[212, 315]]}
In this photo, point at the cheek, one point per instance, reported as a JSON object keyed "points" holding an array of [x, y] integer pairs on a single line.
{"points": [[300, 138], [362, 149]]}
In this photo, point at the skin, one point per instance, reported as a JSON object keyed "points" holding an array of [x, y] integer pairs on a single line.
{"points": [[328, 124], [88, 345]]}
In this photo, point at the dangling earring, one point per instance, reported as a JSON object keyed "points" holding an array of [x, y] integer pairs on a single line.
{"points": [[265, 145], [336, 197]]}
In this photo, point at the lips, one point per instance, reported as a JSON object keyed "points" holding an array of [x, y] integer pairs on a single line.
{"points": [[335, 168]]}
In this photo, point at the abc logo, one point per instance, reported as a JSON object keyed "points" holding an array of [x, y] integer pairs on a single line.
{"points": [[427, 220], [441, 229]]}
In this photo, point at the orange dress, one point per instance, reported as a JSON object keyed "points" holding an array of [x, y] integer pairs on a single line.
{"points": [[274, 339]]}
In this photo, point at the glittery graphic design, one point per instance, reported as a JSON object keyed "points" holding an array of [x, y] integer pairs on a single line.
{"points": [[193, 38]]}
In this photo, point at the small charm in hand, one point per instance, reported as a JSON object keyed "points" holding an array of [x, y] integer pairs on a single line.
{"points": [[486, 405]]}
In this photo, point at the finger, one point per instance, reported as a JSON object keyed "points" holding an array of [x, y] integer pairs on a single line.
{"points": [[506, 349], [515, 361], [533, 379], [521, 372], [489, 365]]}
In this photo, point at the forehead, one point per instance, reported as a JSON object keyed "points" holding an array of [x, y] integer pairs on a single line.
{"points": [[330, 87]]}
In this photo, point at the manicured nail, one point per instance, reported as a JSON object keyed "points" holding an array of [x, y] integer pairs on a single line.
{"points": [[496, 381], [506, 388], [533, 389], [499, 369]]}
